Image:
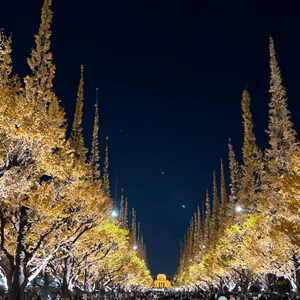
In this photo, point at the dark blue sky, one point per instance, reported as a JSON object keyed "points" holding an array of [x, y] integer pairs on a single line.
{"points": [[170, 76]]}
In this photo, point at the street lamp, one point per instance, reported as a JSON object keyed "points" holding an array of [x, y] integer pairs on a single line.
{"points": [[240, 208], [114, 214]]}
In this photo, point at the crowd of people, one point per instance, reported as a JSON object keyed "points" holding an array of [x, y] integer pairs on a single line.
{"points": [[209, 296], [183, 296]]}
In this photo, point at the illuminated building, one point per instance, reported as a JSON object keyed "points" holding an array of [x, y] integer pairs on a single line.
{"points": [[162, 282]]}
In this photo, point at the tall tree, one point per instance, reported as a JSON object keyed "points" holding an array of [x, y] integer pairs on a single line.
{"points": [[77, 140], [123, 211], [95, 157], [235, 182], [191, 240], [281, 164], [253, 166], [133, 227], [38, 85], [32, 138], [282, 136], [215, 211], [198, 236], [207, 221], [282, 140]]}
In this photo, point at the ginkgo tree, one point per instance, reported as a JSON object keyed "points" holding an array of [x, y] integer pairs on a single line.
{"points": [[33, 148], [262, 239], [79, 265], [49, 197]]}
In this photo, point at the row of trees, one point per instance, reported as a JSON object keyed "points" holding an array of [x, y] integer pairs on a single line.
{"points": [[55, 204], [224, 247]]}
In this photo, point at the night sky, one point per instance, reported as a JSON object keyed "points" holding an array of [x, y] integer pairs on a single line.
{"points": [[170, 76]]}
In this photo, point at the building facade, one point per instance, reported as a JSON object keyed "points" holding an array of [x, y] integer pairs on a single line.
{"points": [[161, 282]]}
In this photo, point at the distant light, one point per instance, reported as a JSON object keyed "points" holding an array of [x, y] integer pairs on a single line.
{"points": [[203, 246], [183, 206], [114, 214], [143, 260], [162, 172], [135, 247], [238, 208]]}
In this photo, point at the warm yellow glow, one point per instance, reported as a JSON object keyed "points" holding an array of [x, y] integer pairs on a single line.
{"points": [[162, 282]]}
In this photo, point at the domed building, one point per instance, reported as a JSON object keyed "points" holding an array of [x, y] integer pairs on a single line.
{"points": [[161, 282]]}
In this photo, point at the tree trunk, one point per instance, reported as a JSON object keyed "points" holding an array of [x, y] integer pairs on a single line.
{"points": [[65, 292], [297, 275], [102, 293], [19, 276], [46, 286], [16, 294]]}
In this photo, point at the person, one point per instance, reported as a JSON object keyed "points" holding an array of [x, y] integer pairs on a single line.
{"points": [[177, 296]]}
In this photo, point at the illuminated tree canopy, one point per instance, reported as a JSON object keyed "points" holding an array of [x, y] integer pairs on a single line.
{"points": [[55, 206], [261, 237]]}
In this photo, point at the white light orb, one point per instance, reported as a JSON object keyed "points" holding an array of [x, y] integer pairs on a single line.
{"points": [[238, 208], [114, 214]]}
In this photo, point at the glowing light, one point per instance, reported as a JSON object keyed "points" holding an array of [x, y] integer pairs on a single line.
{"points": [[135, 247], [238, 208], [114, 214], [183, 206]]}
